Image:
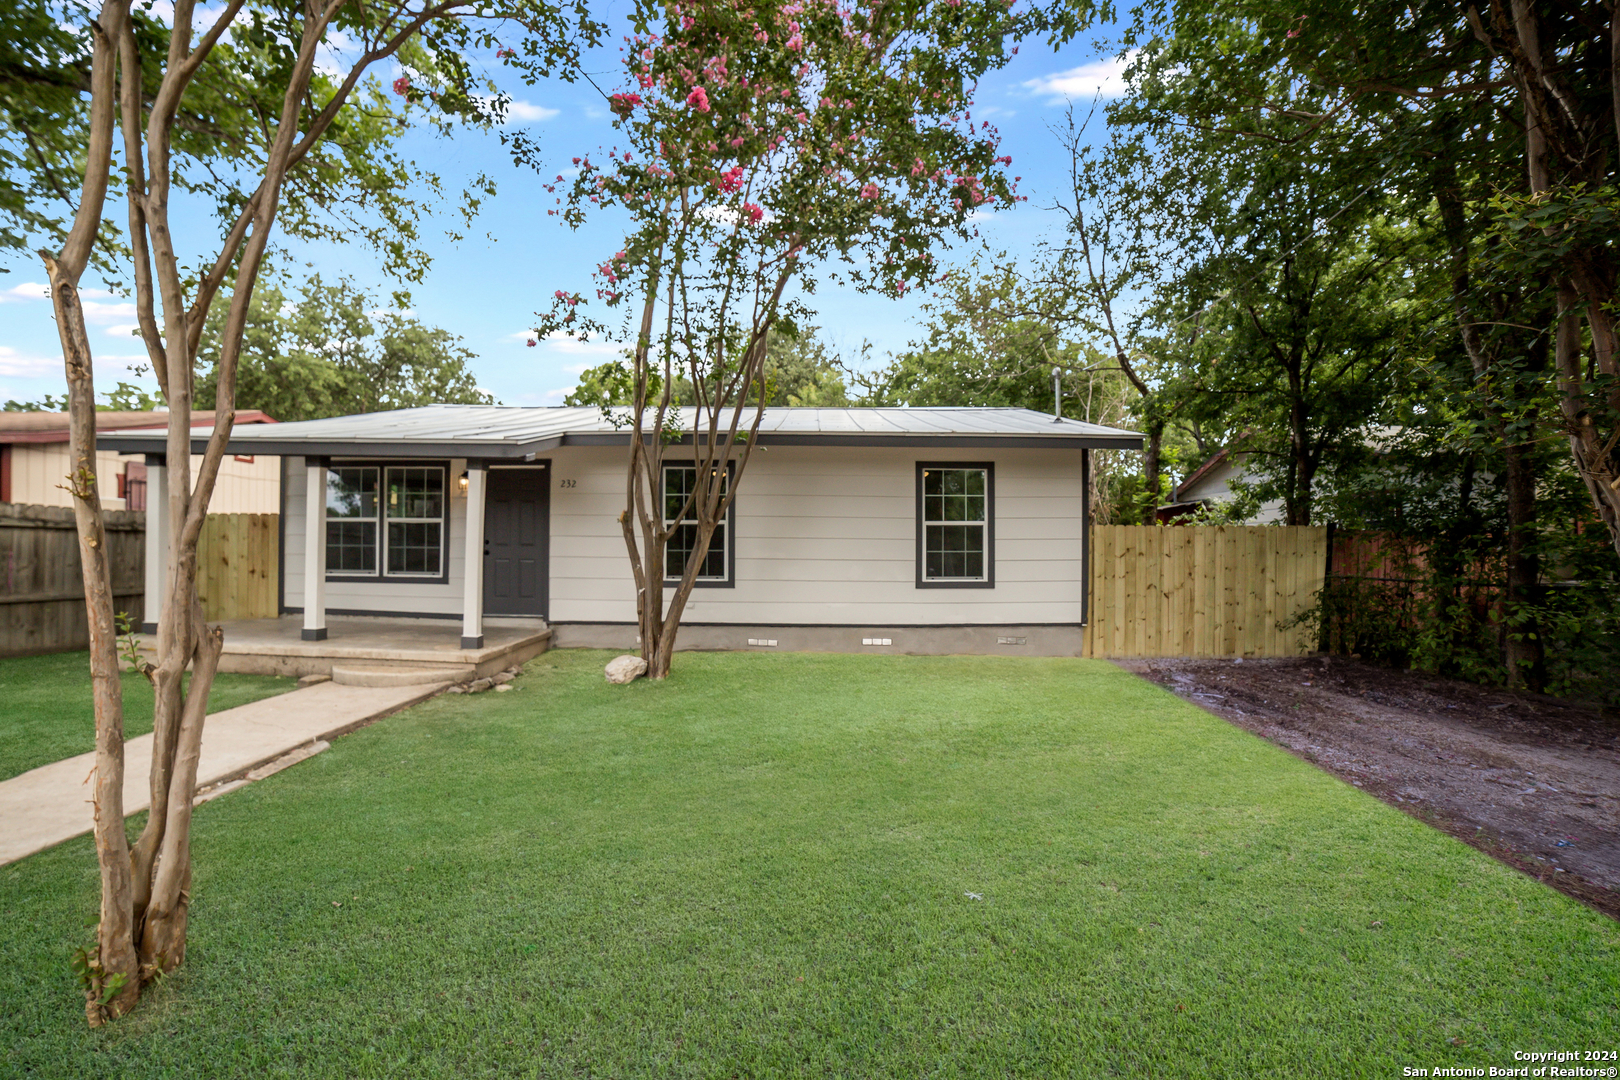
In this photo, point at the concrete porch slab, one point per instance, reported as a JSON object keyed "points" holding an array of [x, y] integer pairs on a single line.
{"points": [[276, 646]]}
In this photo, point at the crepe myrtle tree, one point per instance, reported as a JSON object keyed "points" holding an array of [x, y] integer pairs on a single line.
{"points": [[765, 146], [299, 67]]}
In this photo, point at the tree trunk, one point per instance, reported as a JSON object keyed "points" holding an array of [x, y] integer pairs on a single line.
{"points": [[1302, 467], [163, 937], [112, 974], [1597, 458], [1523, 648], [114, 983], [1152, 469]]}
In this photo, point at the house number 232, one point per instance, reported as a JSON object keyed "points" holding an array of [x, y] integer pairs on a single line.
{"points": [[566, 483]]}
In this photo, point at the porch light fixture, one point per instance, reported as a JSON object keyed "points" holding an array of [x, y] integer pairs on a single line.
{"points": [[461, 482]]}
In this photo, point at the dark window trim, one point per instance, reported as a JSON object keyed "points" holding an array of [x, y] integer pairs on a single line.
{"points": [[730, 581], [380, 576], [989, 468]]}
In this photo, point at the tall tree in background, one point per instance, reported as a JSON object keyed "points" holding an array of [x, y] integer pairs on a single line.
{"points": [[800, 371], [1476, 130], [763, 142], [308, 129], [1450, 88], [332, 352]]}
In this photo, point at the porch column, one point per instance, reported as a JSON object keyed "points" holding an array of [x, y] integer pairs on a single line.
{"points": [[157, 542], [314, 550], [472, 586]]}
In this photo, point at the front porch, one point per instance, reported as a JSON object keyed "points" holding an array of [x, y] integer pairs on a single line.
{"points": [[426, 646]]}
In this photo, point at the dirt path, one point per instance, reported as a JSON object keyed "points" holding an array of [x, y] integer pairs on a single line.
{"points": [[1533, 781]]}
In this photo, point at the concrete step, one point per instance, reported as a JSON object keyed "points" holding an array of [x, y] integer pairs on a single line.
{"points": [[379, 675]]}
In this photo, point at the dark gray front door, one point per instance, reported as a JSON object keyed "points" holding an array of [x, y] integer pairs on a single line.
{"points": [[517, 542]]}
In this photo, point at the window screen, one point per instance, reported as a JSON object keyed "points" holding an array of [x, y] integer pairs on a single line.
{"points": [[955, 524], [680, 510], [351, 520]]}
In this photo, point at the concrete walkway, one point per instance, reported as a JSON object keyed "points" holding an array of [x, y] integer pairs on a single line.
{"points": [[50, 804]]}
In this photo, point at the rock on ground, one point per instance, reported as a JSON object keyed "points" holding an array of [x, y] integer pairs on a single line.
{"points": [[623, 669]]}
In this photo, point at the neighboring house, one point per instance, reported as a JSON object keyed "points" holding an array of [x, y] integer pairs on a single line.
{"points": [[929, 530], [1210, 486], [36, 458]]}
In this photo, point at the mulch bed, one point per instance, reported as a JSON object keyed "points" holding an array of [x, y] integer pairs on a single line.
{"points": [[1531, 780]]}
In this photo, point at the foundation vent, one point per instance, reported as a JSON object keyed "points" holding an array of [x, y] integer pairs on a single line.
{"points": [[764, 643], [1012, 641], [877, 641]]}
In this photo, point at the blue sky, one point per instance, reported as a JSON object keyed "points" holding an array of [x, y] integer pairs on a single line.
{"points": [[487, 287]]}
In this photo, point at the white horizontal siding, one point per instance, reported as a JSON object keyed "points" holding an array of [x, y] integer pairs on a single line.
{"points": [[828, 536], [824, 536]]}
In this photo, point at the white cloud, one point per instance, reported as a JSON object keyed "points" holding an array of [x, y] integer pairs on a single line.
{"points": [[97, 312], [562, 343], [726, 215], [574, 347], [528, 111], [28, 290], [558, 395], [123, 330], [1101, 78], [15, 365]]}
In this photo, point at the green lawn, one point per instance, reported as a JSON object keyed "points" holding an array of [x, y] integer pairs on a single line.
{"points": [[46, 715], [762, 868]]}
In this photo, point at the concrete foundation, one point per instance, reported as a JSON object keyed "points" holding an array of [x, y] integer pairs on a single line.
{"points": [[1067, 640], [275, 647]]}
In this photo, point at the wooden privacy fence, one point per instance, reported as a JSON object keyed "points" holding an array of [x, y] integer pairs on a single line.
{"points": [[42, 585], [1207, 590], [237, 557]]}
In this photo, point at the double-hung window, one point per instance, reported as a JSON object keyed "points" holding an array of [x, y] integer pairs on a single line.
{"points": [[351, 521], [681, 492], [956, 526], [385, 521]]}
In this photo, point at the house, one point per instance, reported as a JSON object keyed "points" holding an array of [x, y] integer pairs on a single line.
{"points": [[1209, 485], [923, 530], [36, 457]]}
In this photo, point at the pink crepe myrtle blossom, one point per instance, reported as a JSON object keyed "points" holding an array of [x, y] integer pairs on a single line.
{"points": [[731, 180], [870, 191], [753, 213], [624, 104], [402, 84], [698, 100]]}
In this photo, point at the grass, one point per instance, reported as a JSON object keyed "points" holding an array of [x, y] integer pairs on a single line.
{"points": [[764, 868], [46, 713]]}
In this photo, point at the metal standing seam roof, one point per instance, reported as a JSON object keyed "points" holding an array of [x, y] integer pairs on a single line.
{"points": [[517, 432]]}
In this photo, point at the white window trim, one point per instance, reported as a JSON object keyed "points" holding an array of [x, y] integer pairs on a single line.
{"points": [[383, 518]]}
